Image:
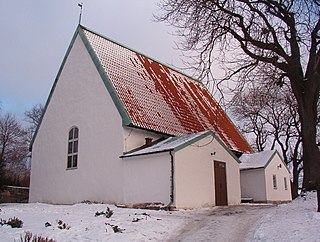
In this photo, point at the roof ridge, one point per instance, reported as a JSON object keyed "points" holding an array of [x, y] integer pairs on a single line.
{"points": [[138, 52]]}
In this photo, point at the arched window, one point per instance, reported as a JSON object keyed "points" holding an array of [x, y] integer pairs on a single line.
{"points": [[73, 142]]}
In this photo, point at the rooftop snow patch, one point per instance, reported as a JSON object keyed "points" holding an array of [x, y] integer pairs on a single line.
{"points": [[256, 160]]}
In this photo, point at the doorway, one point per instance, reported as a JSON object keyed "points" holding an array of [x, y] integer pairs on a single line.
{"points": [[220, 181]]}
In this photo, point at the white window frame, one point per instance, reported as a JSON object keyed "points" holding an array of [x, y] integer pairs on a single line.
{"points": [[73, 148]]}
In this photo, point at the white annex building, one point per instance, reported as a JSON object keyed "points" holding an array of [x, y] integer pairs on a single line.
{"points": [[119, 127], [265, 177]]}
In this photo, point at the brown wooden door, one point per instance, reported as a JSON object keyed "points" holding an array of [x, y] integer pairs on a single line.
{"points": [[220, 180]]}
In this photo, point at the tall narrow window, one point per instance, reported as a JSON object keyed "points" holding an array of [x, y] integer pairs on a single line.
{"points": [[274, 180], [73, 142], [285, 183]]}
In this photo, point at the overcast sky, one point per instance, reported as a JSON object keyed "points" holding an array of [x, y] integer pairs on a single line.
{"points": [[35, 35]]}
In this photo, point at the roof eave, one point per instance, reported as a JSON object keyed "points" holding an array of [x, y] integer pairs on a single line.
{"points": [[251, 168], [148, 153]]}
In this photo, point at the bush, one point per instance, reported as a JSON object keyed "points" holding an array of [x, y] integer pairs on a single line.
{"points": [[28, 237], [115, 228], [62, 225], [13, 222], [108, 213]]}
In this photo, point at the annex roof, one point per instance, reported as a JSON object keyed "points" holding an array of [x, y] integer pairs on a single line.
{"points": [[152, 96], [171, 143], [256, 160]]}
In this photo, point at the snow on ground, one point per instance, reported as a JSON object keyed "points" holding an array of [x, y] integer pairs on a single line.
{"points": [[84, 226], [296, 221]]}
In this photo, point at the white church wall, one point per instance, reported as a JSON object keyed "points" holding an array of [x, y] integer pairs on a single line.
{"points": [[147, 178], [79, 99]]}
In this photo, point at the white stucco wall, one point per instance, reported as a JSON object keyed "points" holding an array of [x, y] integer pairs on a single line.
{"points": [[253, 184], [147, 178], [194, 174], [279, 194], [79, 99]]}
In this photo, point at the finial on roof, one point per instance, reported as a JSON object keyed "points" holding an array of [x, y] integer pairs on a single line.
{"points": [[80, 5]]}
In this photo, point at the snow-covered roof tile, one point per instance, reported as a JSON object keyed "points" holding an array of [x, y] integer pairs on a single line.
{"points": [[256, 160], [158, 98]]}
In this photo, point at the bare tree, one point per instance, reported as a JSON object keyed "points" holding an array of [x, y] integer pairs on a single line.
{"points": [[13, 145], [33, 117], [270, 117], [273, 41]]}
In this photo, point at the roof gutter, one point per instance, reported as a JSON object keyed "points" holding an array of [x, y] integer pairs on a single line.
{"points": [[149, 153]]}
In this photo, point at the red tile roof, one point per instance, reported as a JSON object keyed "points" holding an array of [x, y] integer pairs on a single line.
{"points": [[159, 98]]}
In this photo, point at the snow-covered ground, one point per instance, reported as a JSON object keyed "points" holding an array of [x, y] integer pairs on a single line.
{"points": [[296, 221]]}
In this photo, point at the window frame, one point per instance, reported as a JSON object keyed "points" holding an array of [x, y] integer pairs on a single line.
{"points": [[73, 148], [274, 182], [285, 180]]}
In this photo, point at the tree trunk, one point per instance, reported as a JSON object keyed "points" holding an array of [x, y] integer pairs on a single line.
{"points": [[294, 189], [311, 153], [318, 198], [295, 180]]}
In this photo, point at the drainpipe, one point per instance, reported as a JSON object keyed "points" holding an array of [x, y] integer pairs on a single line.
{"points": [[172, 179]]}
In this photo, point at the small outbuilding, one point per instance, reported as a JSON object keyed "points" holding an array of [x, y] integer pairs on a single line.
{"points": [[264, 177]]}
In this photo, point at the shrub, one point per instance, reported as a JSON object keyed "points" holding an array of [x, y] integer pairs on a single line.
{"points": [[28, 237], [108, 213], [115, 228], [13, 222], [62, 225]]}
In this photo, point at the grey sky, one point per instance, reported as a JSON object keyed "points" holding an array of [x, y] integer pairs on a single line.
{"points": [[35, 35]]}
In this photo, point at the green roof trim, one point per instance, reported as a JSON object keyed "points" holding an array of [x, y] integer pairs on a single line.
{"points": [[226, 148], [123, 113], [181, 146], [190, 142], [270, 159], [54, 85], [138, 52], [273, 155]]}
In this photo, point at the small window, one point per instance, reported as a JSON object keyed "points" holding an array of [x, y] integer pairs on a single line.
{"points": [[285, 183], [274, 180], [73, 142]]}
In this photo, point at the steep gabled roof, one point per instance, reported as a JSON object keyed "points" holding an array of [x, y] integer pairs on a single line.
{"points": [[152, 96]]}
